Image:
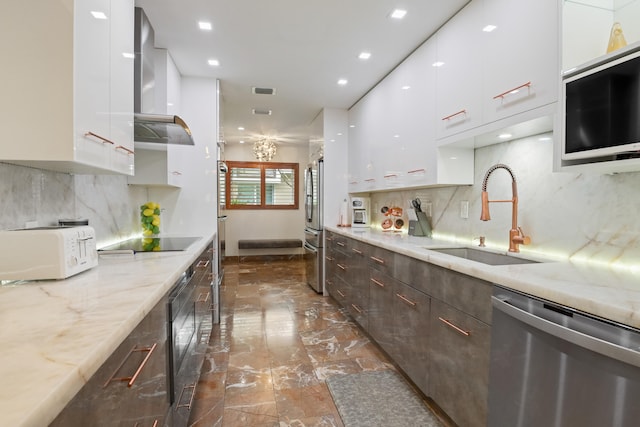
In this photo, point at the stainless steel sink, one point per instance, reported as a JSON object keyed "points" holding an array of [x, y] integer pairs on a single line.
{"points": [[484, 257]]}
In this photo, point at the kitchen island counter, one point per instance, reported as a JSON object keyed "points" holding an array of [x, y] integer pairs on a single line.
{"points": [[607, 292], [56, 334]]}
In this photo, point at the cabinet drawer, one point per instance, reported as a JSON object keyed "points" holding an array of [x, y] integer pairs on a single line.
{"points": [[339, 290], [381, 259], [411, 319], [459, 373], [468, 294], [107, 399], [381, 317]]}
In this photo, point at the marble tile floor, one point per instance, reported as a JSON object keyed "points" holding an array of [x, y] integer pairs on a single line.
{"points": [[276, 343]]}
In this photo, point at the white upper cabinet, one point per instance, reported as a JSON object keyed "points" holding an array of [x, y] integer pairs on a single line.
{"points": [[393, 141], [459, 66], [69, 104], [520, 56]]}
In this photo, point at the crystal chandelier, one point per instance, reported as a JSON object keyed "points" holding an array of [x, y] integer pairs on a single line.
{"points": [[264, 149]]}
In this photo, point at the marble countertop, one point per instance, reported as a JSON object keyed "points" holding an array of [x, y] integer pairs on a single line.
{"points": [[606, 292], [56, 334]]}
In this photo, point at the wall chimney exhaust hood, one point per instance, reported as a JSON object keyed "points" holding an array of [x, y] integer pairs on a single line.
{"points": [[149, 127]]}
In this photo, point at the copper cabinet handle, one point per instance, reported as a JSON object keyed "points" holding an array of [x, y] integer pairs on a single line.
{"points": [[155, 424], [329, 239], [342, 267], [457, 113], [377, 282], [203, 263], [125, 149], [356, 251], [391, 175], [369, 180], [356, 308], [340, 293], [340, 243], [407, 300], [515, 89], [329, 282], [328, 258], [132, 379], [206, 298], [456, 328], [416, 171], [101, 138], [378, 260], [193, 393]]}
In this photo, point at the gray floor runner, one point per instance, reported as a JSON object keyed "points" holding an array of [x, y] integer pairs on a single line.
{"points": [[378, 399]]}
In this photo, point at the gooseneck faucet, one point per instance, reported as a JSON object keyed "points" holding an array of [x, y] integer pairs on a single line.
{"points": [[516, 235]]}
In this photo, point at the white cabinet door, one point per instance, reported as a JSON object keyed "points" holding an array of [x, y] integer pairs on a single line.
{"points": [[121, 91], [521, 56], [71, 95], [459, 70], [91, 51]]}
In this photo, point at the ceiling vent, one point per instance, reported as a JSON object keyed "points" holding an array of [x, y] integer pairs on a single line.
{"points": [[260, 112], [263, 91]]}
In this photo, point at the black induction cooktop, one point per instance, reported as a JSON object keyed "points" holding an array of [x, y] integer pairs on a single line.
{"points": [[152, 244]]}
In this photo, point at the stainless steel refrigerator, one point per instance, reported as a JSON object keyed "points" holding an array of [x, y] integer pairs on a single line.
{"points": [[313, 244]]}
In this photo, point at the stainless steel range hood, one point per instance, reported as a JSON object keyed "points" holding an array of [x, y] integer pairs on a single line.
{"points": [[148, 126]]}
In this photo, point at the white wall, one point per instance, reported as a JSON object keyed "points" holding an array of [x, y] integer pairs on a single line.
{"points": [[266, 224]]}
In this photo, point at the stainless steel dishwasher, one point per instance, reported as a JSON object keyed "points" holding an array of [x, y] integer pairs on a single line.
{"points": [[555, 366]]}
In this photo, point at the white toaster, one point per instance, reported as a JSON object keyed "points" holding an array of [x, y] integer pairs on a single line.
{"points": [[46, 252]]}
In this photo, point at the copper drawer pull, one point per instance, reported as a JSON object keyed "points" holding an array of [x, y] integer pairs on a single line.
{"points": [[342, 267], [328, 258], [460, 330], [378, 283], [206, 298], [514, 90], [340, 243], [416, 171], [378, 260], [329, 239], [155, 424], [133, 378], [356, 308], [405, 299], [370, 180], [340, 293], [125, 149], [193, 393], [356, 251], [391, 175], [455, 114], [329, 282], [203, 263], [101, 138]]}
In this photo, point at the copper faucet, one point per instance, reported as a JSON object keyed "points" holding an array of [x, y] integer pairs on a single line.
{"points": [[516, 235]]}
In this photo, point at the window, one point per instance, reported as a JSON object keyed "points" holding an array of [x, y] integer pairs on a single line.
{"points": [[261, 185]]}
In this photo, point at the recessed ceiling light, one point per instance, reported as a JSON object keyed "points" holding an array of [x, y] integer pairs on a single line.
{"points": [[505, 135], [544, 138], [240, 128], [352, 126], [206, 26], [398, 13], [98, 15], [241, 142], [437, 64], [128, 55], [396, 136], [364, 55], [339, 133], [489, 28], [406, 87], [213, 62], [343, 82]]}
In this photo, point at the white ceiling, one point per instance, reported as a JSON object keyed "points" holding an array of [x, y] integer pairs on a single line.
{"points": [[299, 47]]}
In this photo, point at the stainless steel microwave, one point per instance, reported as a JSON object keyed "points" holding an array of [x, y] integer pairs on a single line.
{"points": [[601, 108]]}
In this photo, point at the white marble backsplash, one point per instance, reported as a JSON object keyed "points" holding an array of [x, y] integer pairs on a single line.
{"points": [[107, 201], [582, 217]]}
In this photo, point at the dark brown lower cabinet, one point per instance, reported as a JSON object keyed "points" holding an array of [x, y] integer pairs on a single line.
{"points": [[130, 388], [411, 318], [460, 346]]}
